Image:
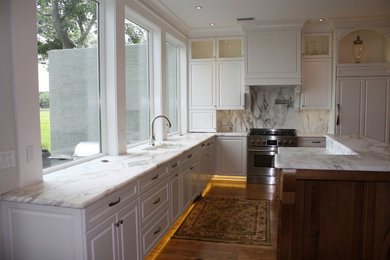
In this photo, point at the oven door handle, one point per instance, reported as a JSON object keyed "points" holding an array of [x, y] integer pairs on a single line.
{"points": [[263, 151]]}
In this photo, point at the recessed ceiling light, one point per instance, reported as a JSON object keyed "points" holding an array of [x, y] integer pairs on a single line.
{"points": [[198, 7], [212, 24], [321, 19]]}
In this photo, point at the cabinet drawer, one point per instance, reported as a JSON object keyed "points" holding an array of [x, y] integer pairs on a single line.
{"points": [[311, 142], [152, 178], [153, 201], [174, 166], [188, 158], [152, 233], [104, 208]]}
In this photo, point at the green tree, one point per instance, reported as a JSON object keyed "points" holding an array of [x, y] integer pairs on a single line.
{"points": [[65, 24], [44, 99], [134, 33]]}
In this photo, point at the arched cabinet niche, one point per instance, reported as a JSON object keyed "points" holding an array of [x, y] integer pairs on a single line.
{"points": [[376, 47]]}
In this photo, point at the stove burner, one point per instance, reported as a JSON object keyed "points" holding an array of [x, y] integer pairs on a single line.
{"points": [[273, 132]]}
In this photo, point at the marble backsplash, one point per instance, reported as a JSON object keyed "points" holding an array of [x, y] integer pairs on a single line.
{"points": [[263, 111]]}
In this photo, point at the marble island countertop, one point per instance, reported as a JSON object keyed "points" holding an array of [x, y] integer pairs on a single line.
{"points": [[81, 185], [342, 152]]}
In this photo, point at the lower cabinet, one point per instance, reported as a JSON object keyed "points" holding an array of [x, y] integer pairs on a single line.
{"points": [[116, 237], [124, 225], [231, 156]]}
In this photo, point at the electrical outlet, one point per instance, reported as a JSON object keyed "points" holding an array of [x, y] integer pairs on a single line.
{"points": [[7, 159]]}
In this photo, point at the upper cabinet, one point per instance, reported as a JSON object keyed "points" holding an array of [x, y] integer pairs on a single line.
{"points": [[316, 65], [202, 49], [208, 49], [316, 45]]}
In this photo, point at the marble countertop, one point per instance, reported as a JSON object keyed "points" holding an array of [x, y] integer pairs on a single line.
{"points": [[232, 134], [342, 152], [81, 185]]}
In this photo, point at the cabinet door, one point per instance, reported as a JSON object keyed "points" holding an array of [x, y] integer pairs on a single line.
{"points": [[203, 167], [186, 174], [194, 175], [349, 106], [175, 195], [128, 236], [376, 109], [203, 121], [316, 84], [202, 82], [230, 87], [202, 49], [102, 241], [231, 156], [230, 47]]}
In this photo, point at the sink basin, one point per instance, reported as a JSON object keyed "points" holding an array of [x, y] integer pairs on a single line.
{"points": [[164, 146]]}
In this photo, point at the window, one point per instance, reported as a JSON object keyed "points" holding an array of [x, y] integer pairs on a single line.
{"points": [[137, 82], [172, 76], [69, 80]]}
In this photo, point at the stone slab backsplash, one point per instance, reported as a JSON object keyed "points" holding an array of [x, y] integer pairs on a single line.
{"points": [[262, 112]]}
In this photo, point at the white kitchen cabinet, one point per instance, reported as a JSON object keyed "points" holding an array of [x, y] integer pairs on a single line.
{"points": [[231, 156], [206, 164], [202, 49], [363, 107], [175, 191], [202, 85], [273, 57], [116, 237], [317, 45], [189, 167], [203, 120], [208, 49], [230, 85], [316, 84]]}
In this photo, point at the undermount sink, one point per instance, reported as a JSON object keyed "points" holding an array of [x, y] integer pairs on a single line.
{"points": [[164, 146]]}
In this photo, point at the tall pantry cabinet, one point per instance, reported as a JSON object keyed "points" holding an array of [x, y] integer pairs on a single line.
{"points": [[216, 79], [363, 87]]}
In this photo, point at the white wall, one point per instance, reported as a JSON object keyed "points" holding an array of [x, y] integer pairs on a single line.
{"points": [[8, 177]]}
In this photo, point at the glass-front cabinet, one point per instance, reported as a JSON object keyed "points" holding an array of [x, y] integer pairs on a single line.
{"points": [[316, 45], [216, 48], [202, 49]]}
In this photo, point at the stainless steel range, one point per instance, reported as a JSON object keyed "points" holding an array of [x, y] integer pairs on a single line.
{"points": [[262, 146]]}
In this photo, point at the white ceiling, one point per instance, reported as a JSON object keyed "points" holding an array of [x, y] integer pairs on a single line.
{"points": [[182, 13]]}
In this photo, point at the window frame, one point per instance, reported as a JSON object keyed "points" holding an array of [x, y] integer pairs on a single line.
{"points": [[101, 21], [179, 45]]}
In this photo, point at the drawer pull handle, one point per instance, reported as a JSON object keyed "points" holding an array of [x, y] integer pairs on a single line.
{"points": [[316, 142], [156, 201], [157, 231], [176, 175], [121, 221], [189, 156], [113, 203], [208, 144], [155, 177], [117, 224], [204, 145], [174, 166], [191, 168]]}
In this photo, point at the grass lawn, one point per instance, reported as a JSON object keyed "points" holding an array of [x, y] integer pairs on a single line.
{"points": [[45, 129]]}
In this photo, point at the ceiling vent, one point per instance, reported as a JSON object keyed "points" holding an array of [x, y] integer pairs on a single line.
{"points": [[245, 19]]}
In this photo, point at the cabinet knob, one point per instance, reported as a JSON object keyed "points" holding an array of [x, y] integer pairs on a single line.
{"points": [[155, 177], [156, 201]]}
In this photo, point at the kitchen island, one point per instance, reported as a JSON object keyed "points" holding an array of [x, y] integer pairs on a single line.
{"points": [[334, 200]]}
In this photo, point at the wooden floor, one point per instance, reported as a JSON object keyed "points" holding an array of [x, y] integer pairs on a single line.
{"points": [[200, 250]]}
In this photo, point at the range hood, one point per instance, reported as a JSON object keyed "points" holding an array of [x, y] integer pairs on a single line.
{"points": [[273, 52]]}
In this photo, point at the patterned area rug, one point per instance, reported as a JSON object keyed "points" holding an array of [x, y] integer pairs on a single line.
{"points": [[228, 220]]}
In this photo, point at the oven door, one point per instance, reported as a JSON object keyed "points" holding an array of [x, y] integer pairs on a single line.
{"points": [[261, 165]]}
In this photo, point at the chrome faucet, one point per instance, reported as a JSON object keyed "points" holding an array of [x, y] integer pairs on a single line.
{"points": [[153, 138]]}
